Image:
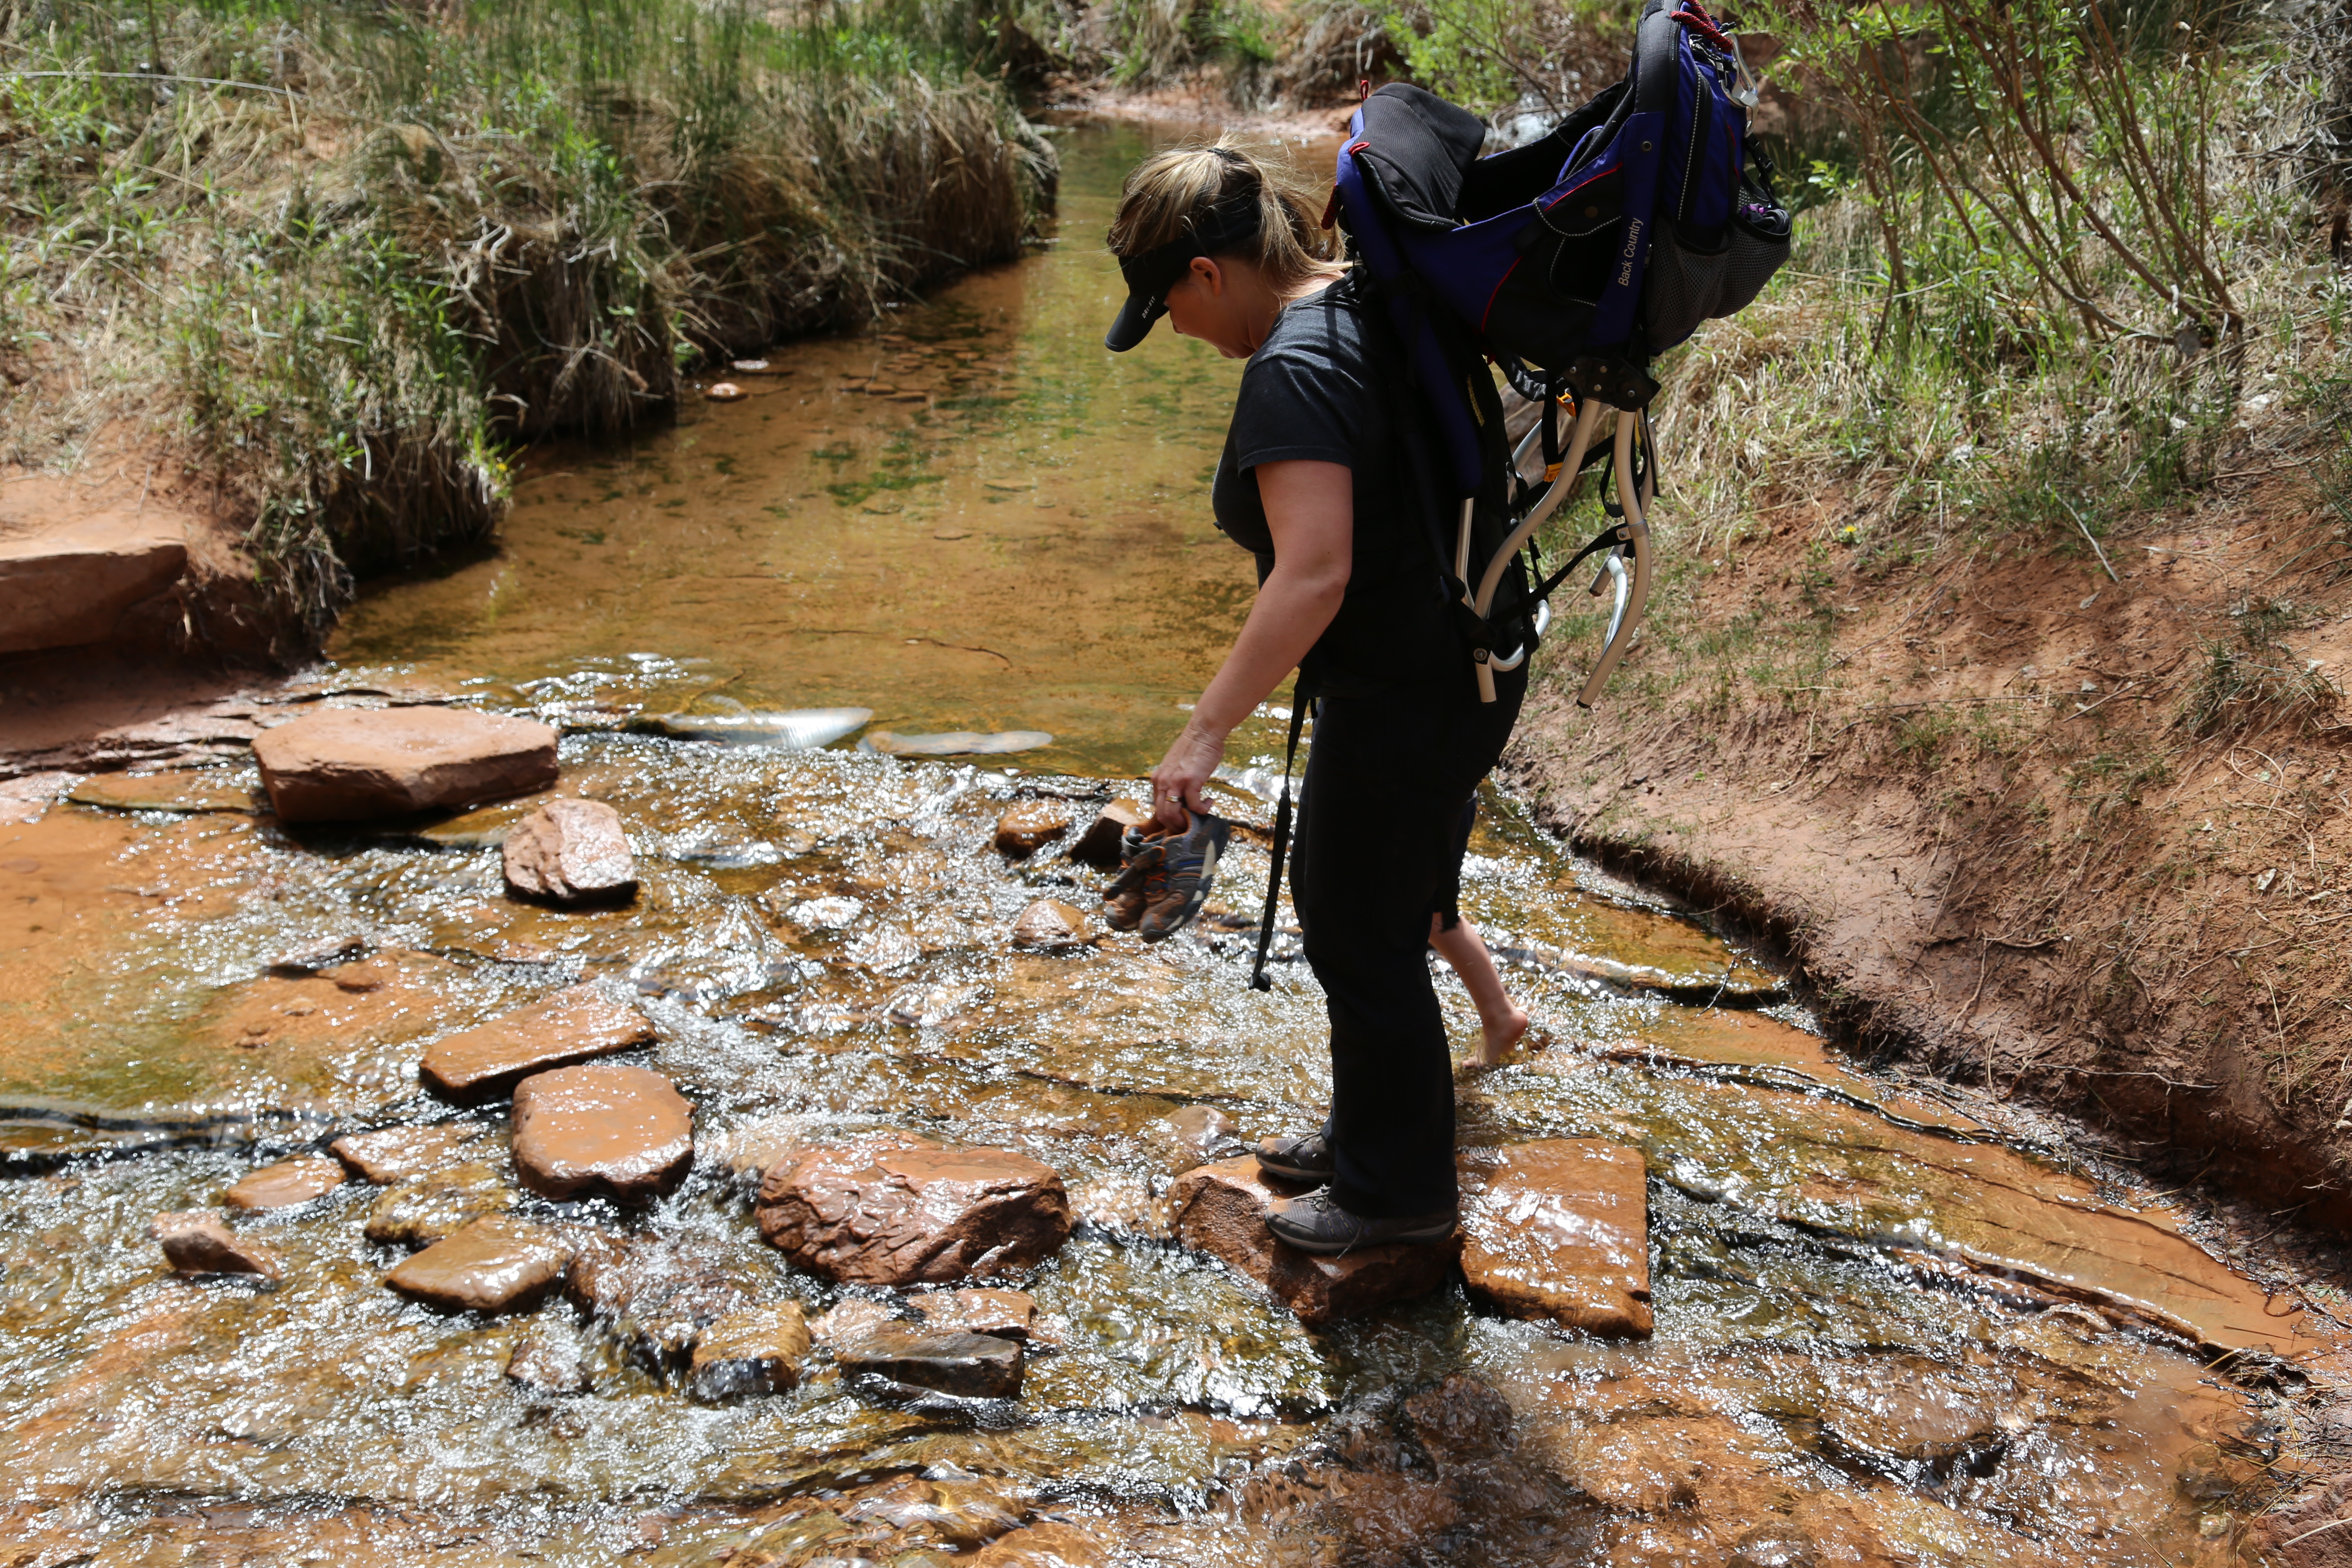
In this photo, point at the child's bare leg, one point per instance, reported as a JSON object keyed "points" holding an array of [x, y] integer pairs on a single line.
{"points": [[1499, 1020]]}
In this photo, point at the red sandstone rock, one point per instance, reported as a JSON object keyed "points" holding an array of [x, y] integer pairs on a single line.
{"points": [[656, 1295], [287, 1184], [1030, 826], [1220, 1209], [622, 1130], [572, 1026], [1559, 1229], [893, 1210], [490, 1265], [570, 852], [64, 584], [198, 1242], [1050, 925], [1098, 846], [1006, 1314], [1044, 1545], [975, 1366], [438, 1204], [342, 765], [550, 1359], [756, 1351], [394, 1153]]}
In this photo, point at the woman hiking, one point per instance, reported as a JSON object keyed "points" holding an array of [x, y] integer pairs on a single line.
{"points": [[1317, 483]]}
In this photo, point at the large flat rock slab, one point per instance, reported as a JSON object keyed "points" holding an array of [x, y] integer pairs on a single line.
{"points": [[573, 1026], [67, 584], [945, 1360], [490, 1265], [569, 852], [345, 764], [1559, 1229], [1220, 1209], [622, 1132], [893, 1210]]}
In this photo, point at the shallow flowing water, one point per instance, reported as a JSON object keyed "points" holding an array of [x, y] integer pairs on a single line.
{"points": [[1886, 1330]]}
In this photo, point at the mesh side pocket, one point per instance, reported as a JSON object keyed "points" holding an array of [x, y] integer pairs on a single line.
{"points": [[1680, 288], [1756, 251]]}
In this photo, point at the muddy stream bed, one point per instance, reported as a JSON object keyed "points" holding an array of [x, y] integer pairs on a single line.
{"points": [[1892, 1322]]}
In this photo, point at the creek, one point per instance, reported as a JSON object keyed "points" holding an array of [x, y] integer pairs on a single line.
{"points": [[1894, 1323]]}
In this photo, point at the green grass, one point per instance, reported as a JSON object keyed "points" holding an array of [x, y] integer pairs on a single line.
{"points": [[344, 255]]}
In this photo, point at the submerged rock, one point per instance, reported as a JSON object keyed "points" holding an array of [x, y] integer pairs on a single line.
{"points": [[394, 1153], [1050, 925], [621, 1131], [1030, 826], [655, 1297], [572, 1026], [895, 1210], [801, 729], [421, 1212], [342, 765], [1098, 845], [946, 1361], [1198, 1130], [758, 1350], [185, 793], [1005, 1314], [1044, 1546], [725, 391], [1559, 1229], [550, 1358], [1220, 1209], [196, 1241], [569, 852], [490, 1265], [955, 743], [287, 1185]]}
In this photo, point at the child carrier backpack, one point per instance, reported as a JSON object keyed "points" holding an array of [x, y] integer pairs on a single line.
{"points": [[1568, 262]]}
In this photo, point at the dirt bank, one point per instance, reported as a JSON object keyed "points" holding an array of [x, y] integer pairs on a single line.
{"points": [[2080, 836]]}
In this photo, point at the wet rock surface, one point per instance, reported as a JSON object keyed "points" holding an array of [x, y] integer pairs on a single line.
{"points": [[899, 1211], [1098, 846], [1030, 826], [489, 1265], [655, 1297], [287, 1185], [1050, 925], [569, 852], [944, 1361], [422, 1209], [343, 764], [751, 1351], [196, 1242], [1220, 1209], [1559, 1229], [550, 1358], [573, 1025], [1005, 1314], [622, 1132], [393, 1153]]}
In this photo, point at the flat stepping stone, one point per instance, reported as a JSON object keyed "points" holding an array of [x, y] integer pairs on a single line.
{"points": [[955, 743], [197, 1241], [1029, 827], [944, 1361], [287, 1185], [347, 765], [1220, 1209], [66, 581], [569, 852], [490, 1265], [799, 729], [756, 1351], [575, 1025], [1559, 1229], [188, 794], [1004, 1314], [895, 1210], [395, 1153], [620, 1131]]}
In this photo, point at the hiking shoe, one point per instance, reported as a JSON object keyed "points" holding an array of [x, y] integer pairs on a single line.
{"points": [[1174, 891], [1140, 850], [1307, 1158], [1315, 1223]]}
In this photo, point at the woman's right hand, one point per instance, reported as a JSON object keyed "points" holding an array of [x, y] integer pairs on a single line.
{"points": [[1190, 764]]}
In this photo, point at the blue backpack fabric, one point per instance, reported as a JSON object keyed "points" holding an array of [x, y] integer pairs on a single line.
{"points": [[1570, 262]]}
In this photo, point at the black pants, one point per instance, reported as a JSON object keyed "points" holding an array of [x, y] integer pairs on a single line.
{"points": [[1380, 850]]}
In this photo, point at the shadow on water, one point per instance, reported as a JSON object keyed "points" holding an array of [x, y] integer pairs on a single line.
{"points": [[1888, 1328]]}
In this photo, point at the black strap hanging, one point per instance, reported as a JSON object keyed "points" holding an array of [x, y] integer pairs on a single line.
{"points": [[1258, 981]]}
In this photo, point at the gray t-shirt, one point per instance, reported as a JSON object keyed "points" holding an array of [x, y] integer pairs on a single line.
{"points": [[1313, 391]]}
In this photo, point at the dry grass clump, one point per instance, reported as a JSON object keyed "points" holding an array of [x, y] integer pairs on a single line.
{"points": [[348, 252]]}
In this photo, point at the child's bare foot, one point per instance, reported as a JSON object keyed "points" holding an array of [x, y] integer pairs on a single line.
{"points": [[1497, 1039]]}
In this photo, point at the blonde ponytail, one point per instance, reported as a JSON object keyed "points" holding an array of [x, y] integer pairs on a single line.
{"points": [[1171, 192]]}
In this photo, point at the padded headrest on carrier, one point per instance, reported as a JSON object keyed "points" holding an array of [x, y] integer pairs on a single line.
{"points": [[1416, 150]]}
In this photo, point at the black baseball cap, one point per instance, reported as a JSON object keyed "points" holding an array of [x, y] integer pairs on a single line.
{"points": [[1232, 223]]}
